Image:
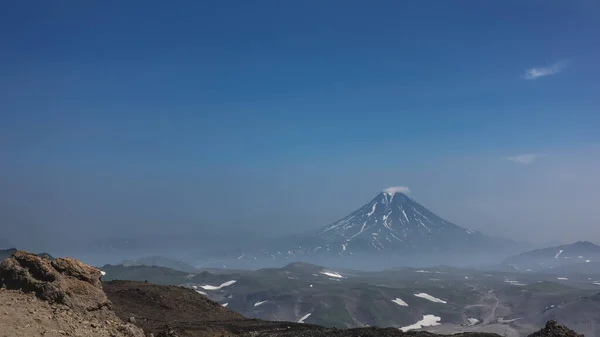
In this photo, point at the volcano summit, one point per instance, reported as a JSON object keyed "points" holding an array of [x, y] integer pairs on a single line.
{"points": [[392, 222]]}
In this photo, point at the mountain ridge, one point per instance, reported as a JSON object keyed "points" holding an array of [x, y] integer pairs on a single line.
{"points": [[577, 253]]}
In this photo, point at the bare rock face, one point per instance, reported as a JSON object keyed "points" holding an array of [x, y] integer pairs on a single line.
{"points": [[64, 294], [553, 329], [62, 281]]}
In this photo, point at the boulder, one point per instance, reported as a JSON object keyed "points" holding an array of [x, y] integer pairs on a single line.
{"points": [[62, 281], [553, 329]]}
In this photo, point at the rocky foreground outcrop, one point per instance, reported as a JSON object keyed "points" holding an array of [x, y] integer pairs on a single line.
{"points": [[553, 329], [64, 297], [60, 297]]}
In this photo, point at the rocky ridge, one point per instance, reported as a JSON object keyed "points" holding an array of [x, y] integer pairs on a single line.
{"points": [[553, 329], [60, 297]]}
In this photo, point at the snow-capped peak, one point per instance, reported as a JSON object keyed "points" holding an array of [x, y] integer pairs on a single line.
{"points": [[392, 220]]}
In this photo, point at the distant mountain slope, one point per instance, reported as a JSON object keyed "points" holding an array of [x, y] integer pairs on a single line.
{"points": [[391, 222], [161, 261], [154, 274], [6, 253], [580, 314], [581, 252]]}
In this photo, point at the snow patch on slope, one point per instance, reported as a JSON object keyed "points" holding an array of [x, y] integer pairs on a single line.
{"points": [[428, 320], [400, 302], [472, 321], [331, 274], [430, 298], [303, 318], [372, 210], [219, 287]]}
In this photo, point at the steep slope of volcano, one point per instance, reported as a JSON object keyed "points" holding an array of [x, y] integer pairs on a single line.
{"points": [[393, 222]]}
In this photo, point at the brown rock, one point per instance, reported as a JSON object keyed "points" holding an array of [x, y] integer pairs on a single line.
{"points": [[63, 281], [60, 297]]}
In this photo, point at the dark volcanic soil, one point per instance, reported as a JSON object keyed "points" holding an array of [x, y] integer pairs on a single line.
{"points": [[158, 309], [183, 312]]}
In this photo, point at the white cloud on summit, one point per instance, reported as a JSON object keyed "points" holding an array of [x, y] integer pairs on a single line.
{"points": [[525, 158], [397, 189], [533, 73]]}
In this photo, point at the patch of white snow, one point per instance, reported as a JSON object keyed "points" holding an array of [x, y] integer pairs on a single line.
{"points": [[224, 304], [223, 285], [404, 213], [430, 298], [372, 210], [400, 302], [259, 303], [303, 318], [331, 274], [558, 254], [428, 320], [472, 321]]}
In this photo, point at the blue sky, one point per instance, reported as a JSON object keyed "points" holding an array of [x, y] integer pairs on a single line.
{"points": [[146, 113]]}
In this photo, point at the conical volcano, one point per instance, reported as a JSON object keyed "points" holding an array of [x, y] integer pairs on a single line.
{"points": [[392, 221]]}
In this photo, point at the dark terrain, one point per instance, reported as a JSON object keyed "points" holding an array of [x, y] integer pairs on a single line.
{"points": [[72, 301], [506, 303], [161, 310]]}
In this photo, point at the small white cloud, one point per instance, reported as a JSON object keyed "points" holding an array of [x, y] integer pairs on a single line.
{"points": [[525, 158], [397, 189], [533, 73]]}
